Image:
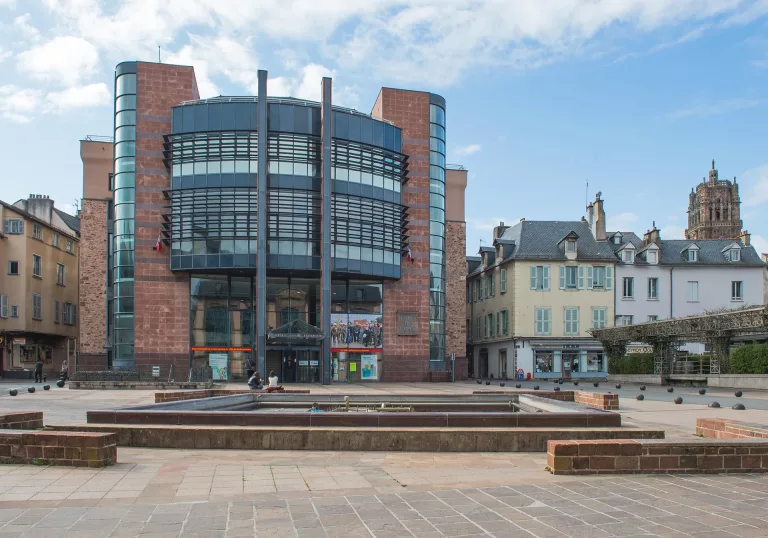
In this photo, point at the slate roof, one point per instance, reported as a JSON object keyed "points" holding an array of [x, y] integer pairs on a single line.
{"points": [[542, 240], [627, 237], [70, 220], [710, 253], [473, 262]]}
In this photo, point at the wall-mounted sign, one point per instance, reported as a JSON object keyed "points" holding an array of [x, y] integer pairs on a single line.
{"points": [[220, 349], [19, 341], [407, 323], [219, 366], [639, 349]]}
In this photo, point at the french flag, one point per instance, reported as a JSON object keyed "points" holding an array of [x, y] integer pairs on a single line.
{"points": [[158, 245], [408, 255]]}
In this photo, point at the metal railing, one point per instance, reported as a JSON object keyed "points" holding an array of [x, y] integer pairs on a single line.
{"points": [[98, 138], [148, 373]]}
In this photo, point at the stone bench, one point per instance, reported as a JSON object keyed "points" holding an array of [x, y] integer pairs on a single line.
{"points": [[21, 420], [74, 449], [723, 428], [657, 456]]}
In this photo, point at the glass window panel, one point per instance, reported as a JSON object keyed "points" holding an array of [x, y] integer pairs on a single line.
{"points": [[227, 167], [241, 167], [126, 102], [214, 167], [125, 149], [200, 167], [187, 169], [125, 84], [127, 117], [285, 167]]}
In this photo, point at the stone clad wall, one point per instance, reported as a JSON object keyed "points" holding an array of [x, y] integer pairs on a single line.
{"points": [[722, 428], [93, 283], [406, 358], [161, 298], [75, 449], [456, 295], [21, 420]]}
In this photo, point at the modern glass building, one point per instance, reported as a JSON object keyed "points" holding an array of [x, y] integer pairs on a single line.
{"points": [[276, 230]]}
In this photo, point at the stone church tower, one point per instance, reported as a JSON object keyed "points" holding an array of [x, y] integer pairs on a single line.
{"points": [[713, 209]]}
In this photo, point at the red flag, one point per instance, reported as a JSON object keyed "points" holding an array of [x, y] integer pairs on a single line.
{"points": [[158, 245]]}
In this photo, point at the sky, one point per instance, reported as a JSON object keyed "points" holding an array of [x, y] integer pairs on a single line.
{"points": [[548, 101]]}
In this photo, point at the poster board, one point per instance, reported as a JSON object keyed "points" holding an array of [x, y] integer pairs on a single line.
{"points": [[219, 363], [369, 364]]}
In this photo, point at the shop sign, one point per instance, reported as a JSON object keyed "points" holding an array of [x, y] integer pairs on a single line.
{"points": [[303, 363], [369, 365], [219, 364], [354, 350], [407, 323], [639, 349], [314, 363], [19, 341], [223, 349]]}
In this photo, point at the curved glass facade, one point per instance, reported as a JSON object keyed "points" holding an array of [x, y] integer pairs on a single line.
{"points": [[213, 158], [124, 215], [436, 229]]}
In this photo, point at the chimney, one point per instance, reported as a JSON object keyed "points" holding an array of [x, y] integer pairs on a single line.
{"points": [[583, 220], [744, 236], [40, 206], [522, 220], [598, 224], [652, 236], [499, 230]]}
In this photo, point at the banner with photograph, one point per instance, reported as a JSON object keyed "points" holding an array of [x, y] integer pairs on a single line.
{"points": [[357, 331]]}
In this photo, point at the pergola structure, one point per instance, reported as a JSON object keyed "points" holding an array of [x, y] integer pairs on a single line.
{"points": [[716, 329]]}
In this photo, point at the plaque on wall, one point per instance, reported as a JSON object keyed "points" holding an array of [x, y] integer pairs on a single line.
{"points": [[407, 323]]}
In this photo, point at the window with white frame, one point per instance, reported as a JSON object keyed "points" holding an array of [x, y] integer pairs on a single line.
{"points": [[61, 274], [37, 266], [3, 306], [734, 255], [628, 256], [600, 277], [692, 255], [570, 246], [571, 278], [37, 306], [737, 290], [543, 321], [503, 280], [653, 318], [599, 317], [571, 321], [653, 288], [37, 231], [540, 277], [652, 257], [56, 240], [70, 246], [13, 226], [693, 291], [13, 267], [629, 287], [623, 321]]}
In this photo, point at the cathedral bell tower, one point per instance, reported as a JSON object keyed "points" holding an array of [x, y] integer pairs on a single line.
{"points": [[714, 209]]}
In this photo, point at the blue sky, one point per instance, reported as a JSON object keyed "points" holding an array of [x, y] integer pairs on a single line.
{"points": [[637, 96]]}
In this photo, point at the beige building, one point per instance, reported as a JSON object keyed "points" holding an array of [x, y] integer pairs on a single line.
{"points": [[533, 295], [39, 249]]}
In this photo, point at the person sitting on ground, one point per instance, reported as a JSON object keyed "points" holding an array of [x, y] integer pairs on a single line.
{"points": [[273, 386], [255, 383]]}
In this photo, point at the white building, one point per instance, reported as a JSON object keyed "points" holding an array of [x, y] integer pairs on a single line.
{"points": [[659, 279]]}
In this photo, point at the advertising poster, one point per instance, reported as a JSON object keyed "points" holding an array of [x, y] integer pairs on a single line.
{"points": [[219, 363], [369, 364], [350, 331]]}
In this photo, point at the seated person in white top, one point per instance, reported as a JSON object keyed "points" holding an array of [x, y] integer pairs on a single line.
{"points": [[273, 386]]}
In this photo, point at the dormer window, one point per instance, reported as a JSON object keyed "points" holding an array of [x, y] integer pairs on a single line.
{"points": [[693, 255], [652, 257], [734, 255], [570, 245], [617, 239], [628, 256]]}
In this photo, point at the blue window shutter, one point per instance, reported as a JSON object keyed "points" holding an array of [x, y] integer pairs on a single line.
{"points": [[533, 277], [545, 278], [590, 272], [581, 277], [608, 277], [562, 277]]}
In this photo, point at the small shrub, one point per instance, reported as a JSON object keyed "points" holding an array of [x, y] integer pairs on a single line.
{"points": [[749, 359]]}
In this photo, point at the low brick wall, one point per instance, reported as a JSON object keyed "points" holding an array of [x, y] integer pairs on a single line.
{"points": [[161, 397], [354, 439], [657, 457], [21, 420], [78, 449], [137, 385], [596, 400], [723, 428]]}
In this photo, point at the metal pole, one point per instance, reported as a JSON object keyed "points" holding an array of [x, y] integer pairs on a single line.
{"points": [[326, 112], [261, 243]]}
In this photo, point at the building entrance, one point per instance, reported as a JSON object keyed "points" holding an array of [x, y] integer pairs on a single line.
{"points": [[298, 365]]}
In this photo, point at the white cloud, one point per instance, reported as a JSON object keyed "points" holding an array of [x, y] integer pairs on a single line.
{"points": [[8, 3], [703, 110], [672, 232], [756, 180], [18, 105], [79, 97], [463, 151], [622, 222], [64, 59], [305, 84], [27, 31], [486, 224], [4, 54], [760, 244]]}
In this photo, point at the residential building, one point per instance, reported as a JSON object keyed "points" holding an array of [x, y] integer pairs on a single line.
{"points": [[39, 249], [325, 248], [714, 209], [533, 296]]}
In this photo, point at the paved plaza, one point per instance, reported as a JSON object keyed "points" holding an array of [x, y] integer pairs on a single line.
{"points": [[159, 492]]}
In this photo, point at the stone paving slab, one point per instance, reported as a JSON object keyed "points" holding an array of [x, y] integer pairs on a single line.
{"points": [[669, 506]]}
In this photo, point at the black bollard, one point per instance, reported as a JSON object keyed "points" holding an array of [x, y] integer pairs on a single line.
{"points": [[670, 389], [518, 385], [739, 407], [642, 387], [702, 391], [31, 390], [479, 382], [557, 389], [678, 400], [738, 393], [640, 397], [618, 385], [13, 392], [46, 387], [576, 383], [714, 405], [487, 382], [535, 387], [596, 384], [60, 383], [502, 384]]}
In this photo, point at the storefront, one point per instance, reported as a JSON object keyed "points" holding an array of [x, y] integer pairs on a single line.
{"points": [[567, 360], [21, 351]]}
